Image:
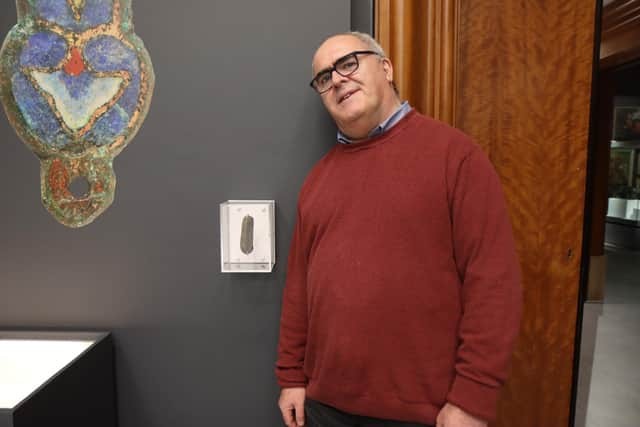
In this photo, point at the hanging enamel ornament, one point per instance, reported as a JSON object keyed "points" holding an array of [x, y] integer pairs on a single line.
{"points": [[76, 84]]}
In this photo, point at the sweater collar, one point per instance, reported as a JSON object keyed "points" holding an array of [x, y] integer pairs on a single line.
{"points": [[381, 138]]}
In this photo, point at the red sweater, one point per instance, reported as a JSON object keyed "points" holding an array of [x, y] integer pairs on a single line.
{"points": [[402, 290]]}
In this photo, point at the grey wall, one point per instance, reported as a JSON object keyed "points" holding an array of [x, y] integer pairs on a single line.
{"points": [[362, 16], [232, 118]]}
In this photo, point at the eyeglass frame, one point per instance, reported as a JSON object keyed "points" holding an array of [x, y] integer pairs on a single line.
{"points": [[333, 68]]}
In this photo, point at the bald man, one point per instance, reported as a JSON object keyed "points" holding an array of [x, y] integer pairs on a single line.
{"points": [[402, 300]]}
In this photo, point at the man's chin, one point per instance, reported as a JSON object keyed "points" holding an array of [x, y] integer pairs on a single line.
{"points": [[347, 117]]}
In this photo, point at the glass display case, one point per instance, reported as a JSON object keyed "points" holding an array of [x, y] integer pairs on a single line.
{"points": [[624, 180], [57, 379], [247, 236], [622, 227]]}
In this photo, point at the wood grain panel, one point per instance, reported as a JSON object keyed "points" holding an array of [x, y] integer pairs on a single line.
{"points": [[524, 92], [620, 33], [420, 39]]}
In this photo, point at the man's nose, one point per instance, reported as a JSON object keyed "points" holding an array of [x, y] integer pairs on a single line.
{"points": [[337, 78]]}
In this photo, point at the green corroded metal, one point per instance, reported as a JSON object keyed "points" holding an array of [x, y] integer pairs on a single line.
{"points": [[76, 84]]}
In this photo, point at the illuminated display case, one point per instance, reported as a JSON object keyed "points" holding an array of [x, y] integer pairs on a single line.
{"points": [[622, 227], [57, 379], [247, 236], [624, 180]]}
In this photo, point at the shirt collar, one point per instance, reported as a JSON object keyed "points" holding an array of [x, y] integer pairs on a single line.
{"points": [[382, 127]]}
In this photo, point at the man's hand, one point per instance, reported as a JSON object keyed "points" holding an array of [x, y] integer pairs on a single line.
{"points": [[452, 416], [291, 405]]}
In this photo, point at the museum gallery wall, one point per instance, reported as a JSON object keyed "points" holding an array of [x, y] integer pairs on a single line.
{"points": [[232, 117]]}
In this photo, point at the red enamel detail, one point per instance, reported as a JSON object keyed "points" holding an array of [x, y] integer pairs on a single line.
{"points": [[75, 64], [58, 179]]}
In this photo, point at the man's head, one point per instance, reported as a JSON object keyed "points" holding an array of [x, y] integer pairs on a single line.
{"points": [[357, 88]]}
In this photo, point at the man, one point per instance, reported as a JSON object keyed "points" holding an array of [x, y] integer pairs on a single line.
{"points": [[402, 299]]}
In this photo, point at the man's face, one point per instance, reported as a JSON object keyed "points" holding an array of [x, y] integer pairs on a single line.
{"points": [[362, 95]]}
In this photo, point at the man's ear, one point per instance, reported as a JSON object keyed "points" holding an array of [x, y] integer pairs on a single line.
{"points": [[388, 69]]}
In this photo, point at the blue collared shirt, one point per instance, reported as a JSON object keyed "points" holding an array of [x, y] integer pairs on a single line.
{"points": [[382, 127]]}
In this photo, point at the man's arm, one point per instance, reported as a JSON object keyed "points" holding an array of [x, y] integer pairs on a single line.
{"points": [[293, 318], [293, 331], [487, 264]]}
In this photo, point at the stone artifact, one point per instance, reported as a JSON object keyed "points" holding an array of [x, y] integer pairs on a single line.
{"points": [[246, 235], [76, 84]]}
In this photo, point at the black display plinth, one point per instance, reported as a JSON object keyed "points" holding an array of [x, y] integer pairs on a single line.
{"points": [[81, 393]]}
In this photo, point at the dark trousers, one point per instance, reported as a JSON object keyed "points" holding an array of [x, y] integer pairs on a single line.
{"points": [[317, 414]]}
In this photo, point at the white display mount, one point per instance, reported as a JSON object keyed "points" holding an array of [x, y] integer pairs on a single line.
{"points": [[247, 236]]}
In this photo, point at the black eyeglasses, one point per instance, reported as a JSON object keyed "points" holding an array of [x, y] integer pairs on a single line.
{"points": [[345, 66]]}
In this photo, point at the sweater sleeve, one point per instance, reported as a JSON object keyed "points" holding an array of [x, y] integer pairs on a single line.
{"points": [[487, 264], [293, 320]]}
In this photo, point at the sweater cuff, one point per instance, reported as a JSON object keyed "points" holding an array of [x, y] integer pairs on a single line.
{"points": [[477, 399], [288, 378]]}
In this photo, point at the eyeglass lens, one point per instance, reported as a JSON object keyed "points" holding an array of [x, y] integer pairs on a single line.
{"points": [[344, 66]]}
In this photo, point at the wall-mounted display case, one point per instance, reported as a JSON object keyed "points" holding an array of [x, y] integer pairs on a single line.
{"points": [[247, 236]]}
